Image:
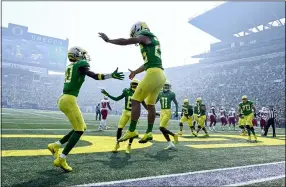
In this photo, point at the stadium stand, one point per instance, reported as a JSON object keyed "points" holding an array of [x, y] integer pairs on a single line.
{"points": [[252, 63]]}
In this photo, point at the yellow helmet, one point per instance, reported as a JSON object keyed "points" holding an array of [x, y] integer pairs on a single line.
{"points": [[167, 86], [186, 101], [133, 84], [244, 97], [199, 99], [137, 27]]}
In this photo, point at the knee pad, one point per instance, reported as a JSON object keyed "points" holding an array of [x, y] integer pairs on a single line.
{"points": [[199, 127], [119, 129], [162, 129]]}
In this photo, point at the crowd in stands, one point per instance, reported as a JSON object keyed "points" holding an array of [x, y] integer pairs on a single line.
{"points": [[261, 78]]}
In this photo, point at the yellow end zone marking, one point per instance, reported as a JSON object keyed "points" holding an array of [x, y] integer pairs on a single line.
{"points": [[160, 138], [261, 142], [99, 144]]}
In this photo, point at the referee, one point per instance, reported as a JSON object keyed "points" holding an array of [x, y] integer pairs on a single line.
{"points": [[272, 113]]}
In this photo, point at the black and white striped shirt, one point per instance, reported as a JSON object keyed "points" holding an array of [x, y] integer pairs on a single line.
{"points": [[272, 113]]}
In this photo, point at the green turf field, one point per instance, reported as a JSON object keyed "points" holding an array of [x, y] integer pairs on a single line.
{"points": [[27, 162]]}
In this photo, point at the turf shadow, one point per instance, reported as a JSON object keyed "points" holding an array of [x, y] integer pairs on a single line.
{"points": [[162, 155], [47, 178]]}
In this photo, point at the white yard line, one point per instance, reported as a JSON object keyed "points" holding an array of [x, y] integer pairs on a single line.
{"points": [[257, 181], [178, 174], [32, 113]]}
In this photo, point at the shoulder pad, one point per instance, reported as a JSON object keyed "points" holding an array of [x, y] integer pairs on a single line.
{"points": [[83, 63], [145, 33]]}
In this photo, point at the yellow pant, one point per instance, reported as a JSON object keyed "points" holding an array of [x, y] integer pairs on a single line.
{"points": [[201, 121], [150, 86], [125, 117], [189, 120], [165, 116], [246, 120], [195, 117], [68, 105]]}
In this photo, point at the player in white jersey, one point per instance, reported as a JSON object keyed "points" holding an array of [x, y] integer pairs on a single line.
{"points": [[222, 115], [263, 115], [212, 116], [104, 105], [231, 118]]}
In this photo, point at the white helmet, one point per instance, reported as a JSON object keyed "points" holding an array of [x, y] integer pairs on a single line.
{"points": [[167, 86], [77, 53], [137, 27]]}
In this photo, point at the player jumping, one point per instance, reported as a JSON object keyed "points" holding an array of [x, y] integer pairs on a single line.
{"points": [[166, 97], [153, 81], [126, 113], [67, 103], [245, 108]]}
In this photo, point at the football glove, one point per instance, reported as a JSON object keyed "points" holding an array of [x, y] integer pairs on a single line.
{"points": [[255, 115], [157, 114], [104, 92], [199, 115], [117, 75]]}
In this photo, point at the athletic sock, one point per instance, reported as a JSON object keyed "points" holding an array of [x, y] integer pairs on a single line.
{"points": [[119, 133], [132, 126], [131, 140], [72, 141], [252, 130], [66, 138], [150, 128]]}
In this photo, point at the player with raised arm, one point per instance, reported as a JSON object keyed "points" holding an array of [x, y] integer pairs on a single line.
{"points": [[166, 97], [104, 107], [153, 81], [245, 108], [187, 116], [127, 94], [74, 77], [201, 116]]}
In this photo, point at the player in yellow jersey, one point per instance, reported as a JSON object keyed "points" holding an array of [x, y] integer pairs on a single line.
{"points": [[201, 118], [67, 102], [153, 81]]}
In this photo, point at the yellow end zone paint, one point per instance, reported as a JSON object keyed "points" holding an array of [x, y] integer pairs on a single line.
{"points": [[106, 143], [99, 144]]}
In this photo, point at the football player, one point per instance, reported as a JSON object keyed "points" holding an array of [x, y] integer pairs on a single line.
{"points": [[201, 118], [263, 118], [153, 81], [222, 115], [231, 118], [166, 97], [105, 106], [74, 77], [245, 108], [126, 113], [212, 119], [187, 116]]}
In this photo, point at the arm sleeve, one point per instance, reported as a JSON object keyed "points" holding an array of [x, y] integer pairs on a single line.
{"points": [[117, 98]]}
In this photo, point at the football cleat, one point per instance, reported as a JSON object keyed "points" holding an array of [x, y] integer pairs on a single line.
{"points": [[54, 149], [128, 135], [147, 137], [249, 139], [206, 135], [176, 138], [62, 163], [116, 147], [180, 133], [255, 138], [128, 149], [171, 146]]}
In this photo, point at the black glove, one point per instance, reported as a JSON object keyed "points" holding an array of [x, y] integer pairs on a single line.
{"points": [[157, 114], [255, 115]]}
